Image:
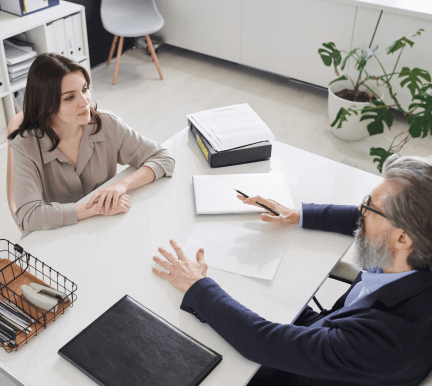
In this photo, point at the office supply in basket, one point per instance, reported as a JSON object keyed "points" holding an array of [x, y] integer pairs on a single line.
{"points": [[17, 313]]}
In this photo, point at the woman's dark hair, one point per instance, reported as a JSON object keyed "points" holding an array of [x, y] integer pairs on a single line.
{"points": [[42, 96]]}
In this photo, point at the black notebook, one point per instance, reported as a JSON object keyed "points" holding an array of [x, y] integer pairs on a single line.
{"points": [[129, 345]]}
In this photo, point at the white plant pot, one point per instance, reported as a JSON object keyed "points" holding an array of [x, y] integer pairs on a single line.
{"points": [[352, 129]]}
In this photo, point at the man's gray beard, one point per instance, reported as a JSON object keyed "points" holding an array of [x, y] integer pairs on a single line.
{"points": [[371, 254]]}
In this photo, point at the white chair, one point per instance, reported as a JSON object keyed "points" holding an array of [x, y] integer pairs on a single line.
{"points": [[344, 272], [131, 18]]}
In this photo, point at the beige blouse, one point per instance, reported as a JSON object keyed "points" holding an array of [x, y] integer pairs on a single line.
{"points": [[47, 185]]}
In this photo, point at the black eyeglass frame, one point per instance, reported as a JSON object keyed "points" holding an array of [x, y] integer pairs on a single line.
{"points": [[367, 207]]}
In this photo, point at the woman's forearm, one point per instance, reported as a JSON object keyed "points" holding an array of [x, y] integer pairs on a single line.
{"points": [[83, 212], [143, 176]]}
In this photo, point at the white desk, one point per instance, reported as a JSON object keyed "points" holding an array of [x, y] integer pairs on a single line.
{"points": [[112, 256]]}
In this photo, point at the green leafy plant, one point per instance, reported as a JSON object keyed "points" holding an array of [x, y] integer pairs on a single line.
{"points": [[418, 82]]}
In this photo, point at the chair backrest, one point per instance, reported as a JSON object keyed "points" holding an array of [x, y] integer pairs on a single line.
{"points": [[10, 176]]}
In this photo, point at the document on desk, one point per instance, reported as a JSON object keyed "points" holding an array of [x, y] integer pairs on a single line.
{"points": [[231, 126], [236, 249], [215, 194]]}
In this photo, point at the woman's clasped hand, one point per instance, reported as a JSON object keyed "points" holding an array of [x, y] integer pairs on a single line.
{"points": [[111, 200]]}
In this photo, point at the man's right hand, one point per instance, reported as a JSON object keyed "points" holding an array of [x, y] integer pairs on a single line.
{"points": [[291, 217]]}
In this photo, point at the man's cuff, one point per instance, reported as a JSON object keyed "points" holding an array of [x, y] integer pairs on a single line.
{"points": [[157, 169], [70, 214], [194, 296]]}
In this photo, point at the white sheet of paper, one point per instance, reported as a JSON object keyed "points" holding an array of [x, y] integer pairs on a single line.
{"points": [[215, 194], [236, 249]]}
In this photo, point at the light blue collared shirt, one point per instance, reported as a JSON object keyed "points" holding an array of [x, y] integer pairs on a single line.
{"points": [[372, 280]]}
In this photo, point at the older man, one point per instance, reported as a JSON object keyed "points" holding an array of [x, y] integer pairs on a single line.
{"points": [[379, 332]]}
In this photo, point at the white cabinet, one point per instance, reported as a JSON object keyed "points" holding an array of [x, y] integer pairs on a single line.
{"points": [[283, 36], [35, 28], [393, 26], [209, 27]]}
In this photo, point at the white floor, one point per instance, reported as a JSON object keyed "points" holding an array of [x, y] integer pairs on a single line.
{"points": [[297, 114]]}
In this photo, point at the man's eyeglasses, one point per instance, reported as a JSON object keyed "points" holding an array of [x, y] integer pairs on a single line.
{"points": [[366, 206]]}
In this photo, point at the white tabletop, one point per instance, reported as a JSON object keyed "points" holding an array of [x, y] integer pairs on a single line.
{"points": [[109, 257]]}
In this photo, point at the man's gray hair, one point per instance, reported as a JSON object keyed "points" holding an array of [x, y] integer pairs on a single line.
{"points": [[410, 208]]}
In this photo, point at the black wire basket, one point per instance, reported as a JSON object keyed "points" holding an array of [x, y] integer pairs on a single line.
{"points": [[18, 267]]}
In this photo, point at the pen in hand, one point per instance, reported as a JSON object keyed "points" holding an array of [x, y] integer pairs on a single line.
{"points": [[262, 205]]}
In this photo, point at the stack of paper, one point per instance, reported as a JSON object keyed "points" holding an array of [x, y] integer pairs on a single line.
{"points": [[231, 126], [18, 59], [215, 194]]}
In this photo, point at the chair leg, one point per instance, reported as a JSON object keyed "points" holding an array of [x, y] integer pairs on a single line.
{"points": [[112, 49], [119, 53], [153, 55], [318, 303]]}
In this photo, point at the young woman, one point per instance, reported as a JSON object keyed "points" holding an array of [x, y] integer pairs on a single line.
{"points": [[64, 148]]}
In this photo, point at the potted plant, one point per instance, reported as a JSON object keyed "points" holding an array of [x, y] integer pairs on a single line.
{"points": [[357, 109]]}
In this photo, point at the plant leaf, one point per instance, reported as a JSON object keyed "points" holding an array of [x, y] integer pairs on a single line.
{"points": [[343, 77], [381, 155], [342, 115], [425, 87], [378, 112], [402, 42], [347, 57], [412, 78], [421, 122], [330, 55], [366, 53]]}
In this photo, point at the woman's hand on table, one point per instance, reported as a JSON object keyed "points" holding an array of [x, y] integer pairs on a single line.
{"points": [[291, 217], [123, 206], [107, 200], [182, 272]]}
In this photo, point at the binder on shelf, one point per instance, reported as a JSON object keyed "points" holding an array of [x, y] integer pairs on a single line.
{"points": [[69, 36], [50, 38], [78, 35], [251, 153], [60, 37], [25, 7]]}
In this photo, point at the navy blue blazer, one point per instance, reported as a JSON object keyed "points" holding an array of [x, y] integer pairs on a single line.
{"points": [[385, 338]]}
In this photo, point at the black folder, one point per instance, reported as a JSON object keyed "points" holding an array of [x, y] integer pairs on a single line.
{"points": [[129, 345], [254, 152]]}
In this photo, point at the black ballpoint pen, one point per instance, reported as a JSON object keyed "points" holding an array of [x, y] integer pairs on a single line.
{"points": [[262, 205]]}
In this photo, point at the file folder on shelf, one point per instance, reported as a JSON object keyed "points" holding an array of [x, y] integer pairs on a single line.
{"points": [[50, 38], [251, 153], [78, 36], [60, 37], [69, 36]]}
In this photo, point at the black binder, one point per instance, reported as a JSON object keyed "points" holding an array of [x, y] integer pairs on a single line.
{"points": [[251, 153], [129, 345]]}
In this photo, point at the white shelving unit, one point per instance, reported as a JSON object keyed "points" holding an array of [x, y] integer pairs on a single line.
{"points": [[35, 27]]}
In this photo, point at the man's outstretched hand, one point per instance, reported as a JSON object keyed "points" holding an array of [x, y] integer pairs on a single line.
{"points": [[182, 272]]}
